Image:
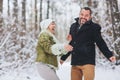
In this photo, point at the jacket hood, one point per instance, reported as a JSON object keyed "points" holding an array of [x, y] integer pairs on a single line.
{"points": [[45, 23]]}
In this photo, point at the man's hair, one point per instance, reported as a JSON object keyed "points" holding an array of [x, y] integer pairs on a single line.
{"points": [[87, 8]]}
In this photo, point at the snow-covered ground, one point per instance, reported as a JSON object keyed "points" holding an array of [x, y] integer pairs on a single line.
{"points": [[30, 73]]}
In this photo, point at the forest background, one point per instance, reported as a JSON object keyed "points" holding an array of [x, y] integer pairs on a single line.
{"points": [[19, 28]]}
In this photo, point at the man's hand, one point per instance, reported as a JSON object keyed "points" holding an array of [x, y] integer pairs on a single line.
{"points": [[61, 62], [69, 37], [113, 59]]}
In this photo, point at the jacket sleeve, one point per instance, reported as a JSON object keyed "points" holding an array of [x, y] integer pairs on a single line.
{"points": [[46, 41], [58, 49], [64, 57], [101, 43]]}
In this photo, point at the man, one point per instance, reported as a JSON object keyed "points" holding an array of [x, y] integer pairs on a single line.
{"points": [[83, 35]]}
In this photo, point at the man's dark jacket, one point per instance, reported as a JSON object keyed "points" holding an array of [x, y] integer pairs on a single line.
{"points": [[83, 42]]}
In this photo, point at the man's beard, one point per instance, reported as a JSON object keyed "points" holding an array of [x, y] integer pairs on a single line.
{"points": [[83, 21]]}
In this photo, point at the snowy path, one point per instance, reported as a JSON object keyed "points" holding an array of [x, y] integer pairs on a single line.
{"points": [[64, 74], [100, 73]]}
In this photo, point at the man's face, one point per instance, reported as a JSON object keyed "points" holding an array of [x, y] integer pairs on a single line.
{"points": [[84, 16]]}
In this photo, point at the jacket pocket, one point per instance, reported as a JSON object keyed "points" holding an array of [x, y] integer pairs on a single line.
{"points": [[86, 50]]}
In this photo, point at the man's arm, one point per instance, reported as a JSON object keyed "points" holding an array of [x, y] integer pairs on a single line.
{"points": [[64, 57], [69, 38], [102, 45]]}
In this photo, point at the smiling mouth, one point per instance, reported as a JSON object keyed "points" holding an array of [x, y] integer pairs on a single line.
{"points": [[53, 29], [83, 19]]}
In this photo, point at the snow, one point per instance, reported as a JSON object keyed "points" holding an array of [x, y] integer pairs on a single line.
{"points": [[106, 74], [30, 73], [17, 52]]}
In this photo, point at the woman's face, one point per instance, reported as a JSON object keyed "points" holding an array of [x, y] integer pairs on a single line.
{"points": [[51, 27]]}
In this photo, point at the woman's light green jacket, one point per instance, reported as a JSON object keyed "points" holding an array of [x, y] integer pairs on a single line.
{"points": [[44, 53]]}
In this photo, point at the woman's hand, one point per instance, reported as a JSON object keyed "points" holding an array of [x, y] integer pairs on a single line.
{"points": [[68, 47]]}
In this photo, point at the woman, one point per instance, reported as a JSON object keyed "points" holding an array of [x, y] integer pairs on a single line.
{"points": [[48, 48]]}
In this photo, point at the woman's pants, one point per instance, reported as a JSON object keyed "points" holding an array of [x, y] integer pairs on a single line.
{"points": [[46, 72], [86, 71]]}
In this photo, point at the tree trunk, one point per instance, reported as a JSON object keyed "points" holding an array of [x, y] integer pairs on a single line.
{"points": [[24, 14], [89, 2], [36, 15], [1, 5], [115, 15], [41, 10], [48, 6], [15, 13], [1, 8], [8, 8]]}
